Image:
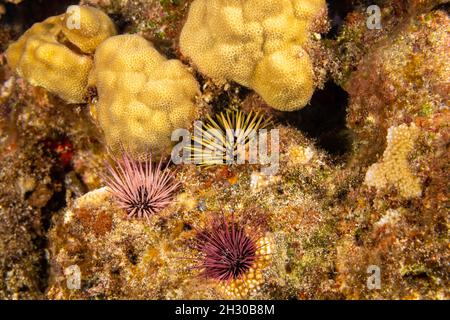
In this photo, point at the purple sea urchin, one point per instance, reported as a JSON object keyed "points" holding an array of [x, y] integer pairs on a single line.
{"points": [[233, 255], [228, 251], [141, 188]]}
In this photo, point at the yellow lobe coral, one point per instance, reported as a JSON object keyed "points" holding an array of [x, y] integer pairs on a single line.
{"points": [[54, 55], [394, 168], [143, 96], [257, 43], [87, 27]]}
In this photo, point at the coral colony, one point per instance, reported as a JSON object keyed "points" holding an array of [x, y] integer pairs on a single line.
{"points": [[125, 126], [142, 96], [259, 45], [41, 58]]}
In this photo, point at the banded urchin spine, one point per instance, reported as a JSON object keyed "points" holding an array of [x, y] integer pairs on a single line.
{"points": [[225, 137]]}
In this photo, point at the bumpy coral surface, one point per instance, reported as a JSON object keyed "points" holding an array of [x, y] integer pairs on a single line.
{"points": [[143, 97], [87, 27], [53, 54], [252, 281], [394, 169], [259, 44]]}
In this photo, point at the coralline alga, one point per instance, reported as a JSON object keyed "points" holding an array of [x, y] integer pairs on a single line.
{"points": [[125, 258], [142, 96], [257, 43], [403, 76], [55, 54]]}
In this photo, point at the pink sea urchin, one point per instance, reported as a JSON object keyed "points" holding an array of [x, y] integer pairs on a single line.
{"points": [[227, 251], [141, 188]]}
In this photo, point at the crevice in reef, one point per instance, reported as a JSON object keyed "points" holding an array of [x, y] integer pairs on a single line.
{"points": [[55, 204], [324, 120], [444, 7], [26, 13], [337, 11]]}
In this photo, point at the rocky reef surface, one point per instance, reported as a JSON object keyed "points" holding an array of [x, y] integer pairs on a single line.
{"points": [[362, 186]]}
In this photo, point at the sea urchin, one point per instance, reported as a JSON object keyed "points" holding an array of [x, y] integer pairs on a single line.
{"points": [[141, 188], [232, 256], [228, 252], [226, 137]]}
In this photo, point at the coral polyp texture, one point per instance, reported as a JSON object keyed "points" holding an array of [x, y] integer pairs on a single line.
{"points": [[55, 53], [87, 27], [250, 283], [142, 96], [394, 169], [256, 43], [141, 188]]}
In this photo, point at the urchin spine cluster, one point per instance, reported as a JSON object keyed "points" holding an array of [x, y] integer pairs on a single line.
{"points": [[226, 136], [142, 189], [233, 257]]}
